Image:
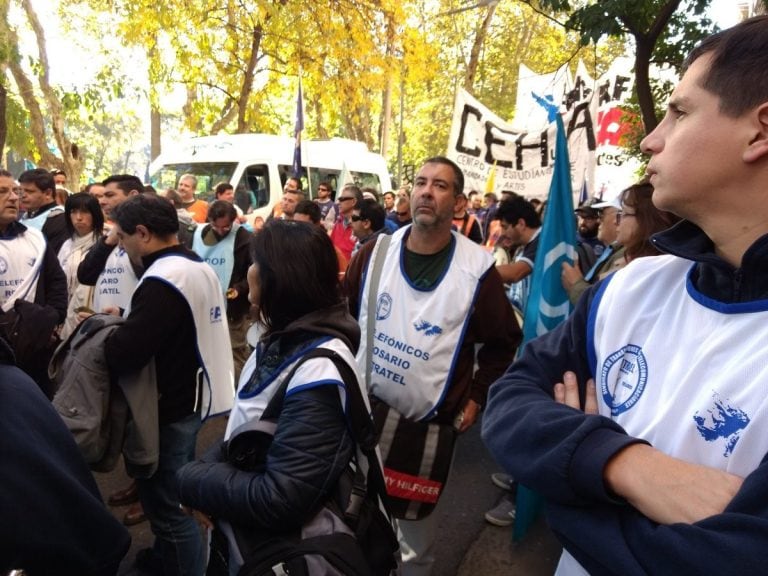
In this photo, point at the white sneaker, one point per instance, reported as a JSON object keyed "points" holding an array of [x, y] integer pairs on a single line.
{"points": [[503, 514], [502, 480]]}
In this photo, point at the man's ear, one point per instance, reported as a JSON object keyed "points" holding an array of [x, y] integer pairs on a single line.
{"points": [[144, 234], [758, 146]]}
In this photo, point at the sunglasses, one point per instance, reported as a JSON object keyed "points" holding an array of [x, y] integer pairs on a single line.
{"points": [[356, 218], [342, 198], [402, 214]]}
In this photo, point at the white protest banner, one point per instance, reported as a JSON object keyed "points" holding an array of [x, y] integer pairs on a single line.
{"points": [[524, 148]]}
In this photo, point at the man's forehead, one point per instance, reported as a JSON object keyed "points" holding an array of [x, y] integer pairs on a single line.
{"points": [[7, 182], [435, 171]]}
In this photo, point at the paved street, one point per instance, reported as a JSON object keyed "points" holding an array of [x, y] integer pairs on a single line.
{"points": [[467, 546]]}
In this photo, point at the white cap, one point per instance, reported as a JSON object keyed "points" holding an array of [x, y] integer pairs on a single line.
{"points": [[613, 203]]}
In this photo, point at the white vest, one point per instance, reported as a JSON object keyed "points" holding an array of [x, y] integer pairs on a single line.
{"points": [[197, 283], [680, 370], [418, 333], [116, 282], [37, 222], [314, 372], [20, 261], [220, 256]]}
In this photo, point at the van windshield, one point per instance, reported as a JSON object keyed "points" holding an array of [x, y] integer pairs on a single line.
{"points": [[208, 175]]}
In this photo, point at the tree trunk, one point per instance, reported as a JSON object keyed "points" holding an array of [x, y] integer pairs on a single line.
{"points": [[3, 124], [70, 161], [155, 133], [477, 45]]}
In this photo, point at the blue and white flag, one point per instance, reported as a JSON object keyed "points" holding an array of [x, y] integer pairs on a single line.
{"points": [[298, 127], [548, 303]]}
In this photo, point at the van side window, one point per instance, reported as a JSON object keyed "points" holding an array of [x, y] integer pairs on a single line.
{"points": [[252, 191]]}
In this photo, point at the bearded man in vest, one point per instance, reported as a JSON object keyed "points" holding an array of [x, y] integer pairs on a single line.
{"points": [[425, 265], [224, 245], [177, 315]]}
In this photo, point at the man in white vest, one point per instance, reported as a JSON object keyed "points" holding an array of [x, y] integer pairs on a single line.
{"points": [[224, 245], [107, 266], [425, 336], [643, 419], [177, 316], [29, 272], [38, 200]]}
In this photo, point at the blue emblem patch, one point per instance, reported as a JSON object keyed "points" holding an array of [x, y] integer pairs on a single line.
{"points": [[215, 314], [721, 421], [428, 328], [623, 378], [384, 306]]}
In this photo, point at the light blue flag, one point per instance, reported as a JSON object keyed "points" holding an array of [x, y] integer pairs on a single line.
{"points": [[548, 303]]}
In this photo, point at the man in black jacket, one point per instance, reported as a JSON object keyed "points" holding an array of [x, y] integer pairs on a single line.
{"points": [[177, 316]]}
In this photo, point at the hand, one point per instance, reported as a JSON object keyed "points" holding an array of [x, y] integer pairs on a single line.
{"points": [[468, 416], [668, 490], [567, 392], [113, 310], [570, 274], [83, 315], [232, 293]]}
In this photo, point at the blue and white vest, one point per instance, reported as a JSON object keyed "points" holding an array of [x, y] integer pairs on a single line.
{"points": [[197, 283], [418, 332], [116, 282], [680, 370], [37, 222], [220, 256], [314, 372], [21, 259]]}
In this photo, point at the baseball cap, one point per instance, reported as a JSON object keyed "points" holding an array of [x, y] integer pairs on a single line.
{"points": [[615, 202]]}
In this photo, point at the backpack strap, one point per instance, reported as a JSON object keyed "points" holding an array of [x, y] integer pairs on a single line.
{"points": [[361, 424]]}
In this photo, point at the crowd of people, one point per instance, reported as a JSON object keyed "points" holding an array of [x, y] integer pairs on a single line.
{"points": [[637, 418]]}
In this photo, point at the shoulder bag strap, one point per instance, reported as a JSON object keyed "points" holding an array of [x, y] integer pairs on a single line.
{"points": [[375, 269]]}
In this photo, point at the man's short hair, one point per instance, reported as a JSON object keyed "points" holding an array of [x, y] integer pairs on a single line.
{"points": [[309, 208], [516, 208], [355, 189], [125, 182], [221, 209], [458, 175], [373, 212], [155, 213], [222, 187], [5, 174], [739, 59], [40, 177], [390, 193], [189, 177], [295, 179]]}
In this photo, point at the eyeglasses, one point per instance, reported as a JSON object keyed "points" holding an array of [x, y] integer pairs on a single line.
{"points": [[343, 198], [356, 218], [621, 215], [402, 214]]}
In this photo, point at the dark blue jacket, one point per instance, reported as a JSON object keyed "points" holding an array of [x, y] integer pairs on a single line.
{"points": [[561, 453]]}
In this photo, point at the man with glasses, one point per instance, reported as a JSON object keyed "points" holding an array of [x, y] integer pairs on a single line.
{"points": [[367, 221], [329, 211], [401, 216], [342, 234]]}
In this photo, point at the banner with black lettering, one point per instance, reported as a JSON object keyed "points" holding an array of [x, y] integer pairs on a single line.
{"points": [[523, 150]]}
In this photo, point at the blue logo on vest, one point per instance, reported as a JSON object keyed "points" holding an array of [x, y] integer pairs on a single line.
{"points": [[384, 306], [427, 328], [623, 378], [3, 265], [215, 314], [721, 421]]}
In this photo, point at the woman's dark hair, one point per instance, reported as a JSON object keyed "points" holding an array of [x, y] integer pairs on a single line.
{"points": [[85, 202], [298, 271], [649, 220]]}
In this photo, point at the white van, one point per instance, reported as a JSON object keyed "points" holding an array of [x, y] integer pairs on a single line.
{"points": [[258, 165]]}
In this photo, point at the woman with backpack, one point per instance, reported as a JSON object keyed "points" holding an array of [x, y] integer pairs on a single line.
{"points": [[287, 453]]}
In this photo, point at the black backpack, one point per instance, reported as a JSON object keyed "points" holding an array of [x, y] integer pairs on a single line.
{"points": [[363, 541]]}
